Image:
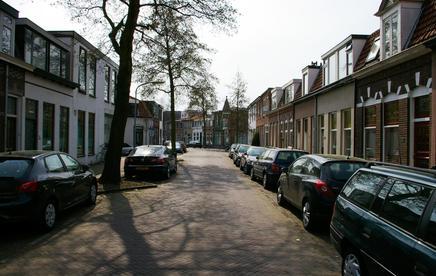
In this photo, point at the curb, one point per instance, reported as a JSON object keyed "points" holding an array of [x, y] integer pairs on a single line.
{"points": [[111, 191]]}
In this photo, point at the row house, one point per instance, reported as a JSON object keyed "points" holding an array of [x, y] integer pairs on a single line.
{"points": [[146, 128], [230, 125], [370, 97], [57, 89]]}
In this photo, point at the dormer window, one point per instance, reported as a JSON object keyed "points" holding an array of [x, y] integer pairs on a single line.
{"points": [[289, 92], [305, 84], [375, 48], [390, 35]]}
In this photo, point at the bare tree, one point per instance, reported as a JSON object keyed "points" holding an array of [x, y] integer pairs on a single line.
{"points": [[125, 23], [203, 98], [238, 98]]}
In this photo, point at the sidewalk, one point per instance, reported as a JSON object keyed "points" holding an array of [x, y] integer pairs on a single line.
{"points": [[125, 185]]}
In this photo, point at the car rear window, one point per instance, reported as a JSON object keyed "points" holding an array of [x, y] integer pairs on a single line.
{"points": [[15, 168], [288, 156], [342, 171], [243, 149], [255, 151], [143, 151]]}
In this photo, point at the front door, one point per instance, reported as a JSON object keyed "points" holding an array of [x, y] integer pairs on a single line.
{"points": [[421, 152]]}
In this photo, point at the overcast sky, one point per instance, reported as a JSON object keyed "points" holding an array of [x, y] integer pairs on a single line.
{"points": [[275, 40]]}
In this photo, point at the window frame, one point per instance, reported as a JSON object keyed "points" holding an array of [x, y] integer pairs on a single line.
{"points": [[59, 158], [82, 69], [390, 41]]}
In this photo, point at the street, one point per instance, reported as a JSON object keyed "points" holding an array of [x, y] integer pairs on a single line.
{"points": [[208, 219]]}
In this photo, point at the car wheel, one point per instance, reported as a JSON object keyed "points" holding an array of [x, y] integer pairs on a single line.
{"points": [[245, 169], [48, 216], [352, 264], [241, 167], [252, 175], [265, 181], [307, 214], [168, 172], [280, 198], [92, 197]]}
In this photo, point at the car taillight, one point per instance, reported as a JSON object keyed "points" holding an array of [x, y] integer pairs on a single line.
{"points": [[159, 160], [28, 187], [324, 189], [127, 161], [275, 168]]}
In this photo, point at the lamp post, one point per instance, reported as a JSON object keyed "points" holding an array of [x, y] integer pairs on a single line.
{"points": [[135, 108]]}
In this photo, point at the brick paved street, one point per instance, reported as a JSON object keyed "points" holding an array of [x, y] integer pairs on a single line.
{"points": [[209, 219]]}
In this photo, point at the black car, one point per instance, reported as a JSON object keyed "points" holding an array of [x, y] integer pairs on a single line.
{"points": [[194, 144], [248, 159], [37, 185], [384, 221], [150, 160], [313, 182], [269, 165], [232, 150], [240, 150], [126, 149]]}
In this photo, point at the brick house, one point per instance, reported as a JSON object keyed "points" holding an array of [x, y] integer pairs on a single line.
{"points": [[394, 86]]}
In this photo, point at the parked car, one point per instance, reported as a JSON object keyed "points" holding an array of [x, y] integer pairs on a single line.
{"points": [[126, 149], [248, 159], [239, 151], [37, 185], [313, 182], [232, 150], [183, 145], [179, 148], [384, 221], [194, 144], [269, 165], [150, 160]]}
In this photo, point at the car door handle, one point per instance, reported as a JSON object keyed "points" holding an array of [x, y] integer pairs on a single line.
{"points": [[366, 232], [420, 270]]}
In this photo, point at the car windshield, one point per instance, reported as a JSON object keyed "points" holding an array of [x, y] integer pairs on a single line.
{"points": [[144, 151], [288, 156], [15, 168], [255, 151], [342, 171], [243, 149]]}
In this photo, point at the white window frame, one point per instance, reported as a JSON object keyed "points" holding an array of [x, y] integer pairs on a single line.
{"points": [[389, 18]]}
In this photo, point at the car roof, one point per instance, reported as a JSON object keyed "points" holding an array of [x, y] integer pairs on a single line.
{"points": [[287, 150], [324, 158], [413, 174], [151, 146], [27, 153]]}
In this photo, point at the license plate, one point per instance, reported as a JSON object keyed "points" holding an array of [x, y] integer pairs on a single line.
{"points": [[142, 169]]}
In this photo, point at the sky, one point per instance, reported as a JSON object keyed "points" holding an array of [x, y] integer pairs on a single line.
{"points": [[274, 41]]}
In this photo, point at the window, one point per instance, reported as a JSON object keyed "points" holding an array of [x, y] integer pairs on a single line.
{"points": [[54, 164], [55, 60], [71, 164], [64, 123], [346, 121], [343, 63], [91, 133], [107, 126], [375, 48], [350, 68], [298, 166], [391, 132], [325, 69], [405, 204], [422, 107], [64, 60], [11, 124], [362, 188], [333, 65], [113, 86], [6, 46], [430, 235], [390, 32], [82, 69], [39, 52], [370, 132], [313, 169], [333, 132], [48, 127], [321, 133], [305, 84], [92, 75], [106, 83], [306, 140], [81, 133], [289, 93], [31, 124]]}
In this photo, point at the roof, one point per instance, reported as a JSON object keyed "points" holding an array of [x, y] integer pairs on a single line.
{"points": [[323, 158], [384, 5], [8, 9], [317, 84], [426, 27], [226, 106], [361, 61], [26, 153]]}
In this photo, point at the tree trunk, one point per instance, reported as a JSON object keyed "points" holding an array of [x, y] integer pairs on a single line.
{"points": [[111, 172], [172, 95], [204, 129]]}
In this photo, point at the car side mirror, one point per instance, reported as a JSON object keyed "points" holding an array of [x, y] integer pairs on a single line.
{"points": [[257, 157]]}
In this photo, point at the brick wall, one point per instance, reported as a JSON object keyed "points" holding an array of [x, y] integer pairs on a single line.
{"points": [[358, 131], [379, 133], [404, 130]]}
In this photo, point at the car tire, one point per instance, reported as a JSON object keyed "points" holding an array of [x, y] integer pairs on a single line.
{"points": [[167, 174], [252, 175], [92, 197], [265, 181], [352, 263], [245, 169], [307, 215], [241, 167], [48, 216], [280, 197]]}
